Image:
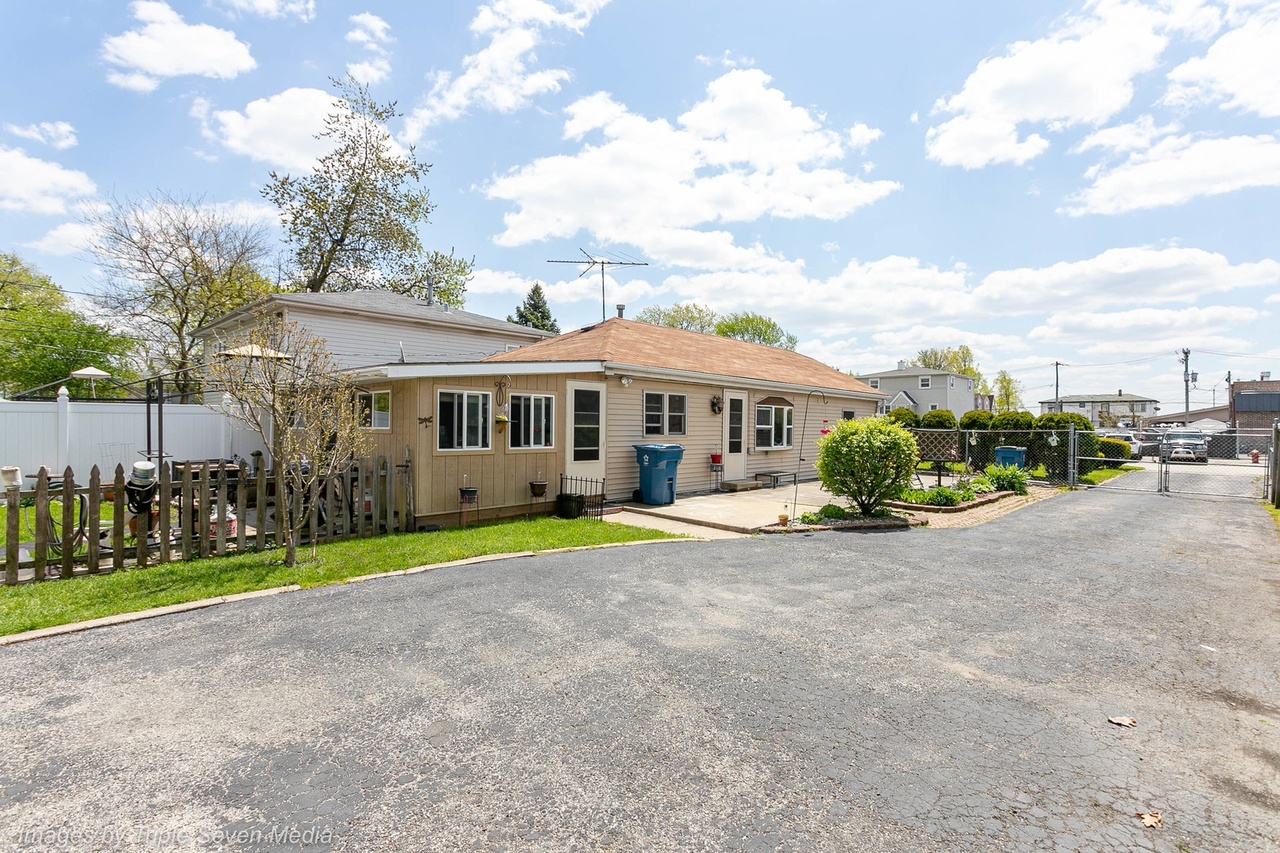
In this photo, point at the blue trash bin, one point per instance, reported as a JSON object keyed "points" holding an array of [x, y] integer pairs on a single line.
{"points": [[658, 463], [1006, 455]]}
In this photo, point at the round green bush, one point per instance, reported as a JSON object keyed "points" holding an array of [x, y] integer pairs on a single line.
{"points": [[938, 419], [976, 419], [902, 416], [832, 511], [1007, 478], [942, 496], [868, 461]]}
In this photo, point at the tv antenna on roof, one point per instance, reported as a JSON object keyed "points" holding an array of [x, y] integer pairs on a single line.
{"points": [[593, 262]]}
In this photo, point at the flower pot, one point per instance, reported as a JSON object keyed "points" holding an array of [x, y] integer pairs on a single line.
{"points": [[717, 458], [468, 494], [538, 488]]}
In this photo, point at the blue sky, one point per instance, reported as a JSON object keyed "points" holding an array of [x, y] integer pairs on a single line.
{"points": [[1091, 183]]}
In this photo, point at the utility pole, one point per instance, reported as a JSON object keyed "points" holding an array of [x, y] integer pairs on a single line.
{"points": [[1187, 378], [1057, 397], [603, 264]]}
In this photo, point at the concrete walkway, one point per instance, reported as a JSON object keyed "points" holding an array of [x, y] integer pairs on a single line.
{"points": [[733, 512]]}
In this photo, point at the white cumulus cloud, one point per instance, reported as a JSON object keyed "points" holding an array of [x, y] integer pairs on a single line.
{"points": [[65, 239], [31, 185], [1123, 276], [304, 10], [1178, 169], [502, 75], [56, 134], [166, 46], [279, 130], [1081, 73], [373, 34], [742, 153], [1240, 69]]}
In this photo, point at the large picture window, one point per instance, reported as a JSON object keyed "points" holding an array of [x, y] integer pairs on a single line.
{"points": [[531, 421], [773, 426], [462, 420], [665, 414], [375, 409]]}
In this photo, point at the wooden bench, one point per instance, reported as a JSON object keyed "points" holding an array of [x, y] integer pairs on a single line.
{"points": [[776, 477]]}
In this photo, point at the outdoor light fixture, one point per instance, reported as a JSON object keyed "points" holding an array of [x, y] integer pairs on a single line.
{"points": [[626, 381]]}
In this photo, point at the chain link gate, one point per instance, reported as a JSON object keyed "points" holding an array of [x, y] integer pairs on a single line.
{"points": [[1239, 465]]}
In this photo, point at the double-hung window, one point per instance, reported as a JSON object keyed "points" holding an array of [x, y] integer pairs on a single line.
{"points": [[462, 420], [375, 409], [665, 414], [531, 420], [773, 427], [926, 381]]}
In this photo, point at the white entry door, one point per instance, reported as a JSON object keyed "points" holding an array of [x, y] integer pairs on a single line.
{"points": [[585, 430], [735, 435]]}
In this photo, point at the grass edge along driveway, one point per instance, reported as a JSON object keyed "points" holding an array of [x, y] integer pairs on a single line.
{"points": [[29, 606]]}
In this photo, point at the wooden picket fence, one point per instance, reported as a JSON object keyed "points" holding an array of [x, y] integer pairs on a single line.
{"points": [[201, 509]]}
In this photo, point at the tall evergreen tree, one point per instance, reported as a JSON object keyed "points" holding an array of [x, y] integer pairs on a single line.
{"points": [[534, 312]]}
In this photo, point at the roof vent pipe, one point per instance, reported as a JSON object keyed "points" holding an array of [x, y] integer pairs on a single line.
{"points": [[621, 310]]}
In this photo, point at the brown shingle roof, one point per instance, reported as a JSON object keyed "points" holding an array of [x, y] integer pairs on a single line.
{"points": [[645, 345]]}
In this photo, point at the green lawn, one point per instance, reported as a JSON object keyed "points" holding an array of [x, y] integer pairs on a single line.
{"points": [[59, 602], [27, 520], [1101, 475]]}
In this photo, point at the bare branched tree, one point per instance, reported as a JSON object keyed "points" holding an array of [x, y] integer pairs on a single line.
{"points": [[281, 382], [174, 264]]}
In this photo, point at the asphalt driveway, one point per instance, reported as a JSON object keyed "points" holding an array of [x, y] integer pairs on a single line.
{"points": [[919, 690]]}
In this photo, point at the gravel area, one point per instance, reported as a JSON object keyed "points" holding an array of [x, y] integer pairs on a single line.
{"points": [[921, 690]]}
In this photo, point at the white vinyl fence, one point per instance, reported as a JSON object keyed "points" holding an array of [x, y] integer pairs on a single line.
{"points": [[59, 433]]}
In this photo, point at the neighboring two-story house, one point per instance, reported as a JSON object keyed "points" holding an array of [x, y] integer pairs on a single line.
{"points": [[364, 327], [923, 389], [1105, 410]]}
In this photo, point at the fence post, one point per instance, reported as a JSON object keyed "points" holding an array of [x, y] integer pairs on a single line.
{"points": [[1275, 464], [1073, 457], [117, 519], [64, 427], [93, 529], [165, 523], [69, 521], [13, 507], [40, 552]]}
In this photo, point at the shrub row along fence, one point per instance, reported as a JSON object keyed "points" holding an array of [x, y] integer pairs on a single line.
{"points": [[197, 509], [1058, 457]]}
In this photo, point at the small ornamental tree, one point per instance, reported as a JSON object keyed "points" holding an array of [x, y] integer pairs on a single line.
{"points": [[938, 419], [902, 416], [867, 461], [282, 383]]}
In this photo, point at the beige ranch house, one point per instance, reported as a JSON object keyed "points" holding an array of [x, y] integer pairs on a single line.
{"points": [[577, 403]]}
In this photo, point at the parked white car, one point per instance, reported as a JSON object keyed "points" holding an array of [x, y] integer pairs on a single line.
{"points": [[1135, 446]]}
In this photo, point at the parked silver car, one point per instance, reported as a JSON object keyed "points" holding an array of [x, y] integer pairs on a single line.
{"points": [[1186, 445]]}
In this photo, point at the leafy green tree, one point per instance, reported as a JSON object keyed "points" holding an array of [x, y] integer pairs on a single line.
{"points": [[352, 222], [953, 360], [688, 316], [534, 312], [904, 417], [172, 265], [1013, 421], [867, 461], [43, 338], [755, 328], [1008, 392], [938, 419]]}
